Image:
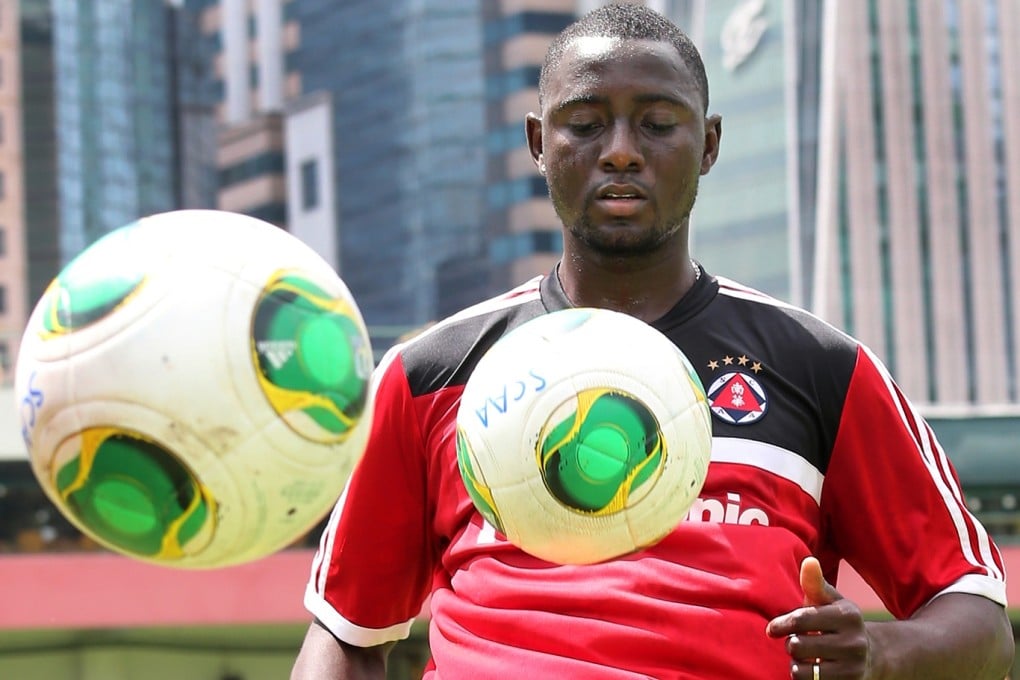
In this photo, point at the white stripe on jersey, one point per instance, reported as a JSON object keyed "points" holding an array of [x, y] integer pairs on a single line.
{"points": [[938, 469], [737, 290], [976, 584], [984, 542], [741, 292], [770, 458], [352, 633], [315, 595], [323, 556], [526, 292]]}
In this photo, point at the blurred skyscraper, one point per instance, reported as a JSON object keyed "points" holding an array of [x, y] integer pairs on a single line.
{"points": [[520, 229], [88, 137], [918, 234], [14, 271], [870, 170], [359, 125]]}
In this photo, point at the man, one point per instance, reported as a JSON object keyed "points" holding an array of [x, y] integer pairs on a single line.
{"points": [[832, 458]]}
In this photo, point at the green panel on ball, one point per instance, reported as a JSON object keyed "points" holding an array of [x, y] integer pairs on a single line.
{"points": [[311, 356], [608, 447], [477, 489], [99, 280], [135, 495]]}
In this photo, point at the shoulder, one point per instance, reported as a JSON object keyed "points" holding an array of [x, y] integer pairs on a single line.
{"points": [[787, 325], [445, 354]]}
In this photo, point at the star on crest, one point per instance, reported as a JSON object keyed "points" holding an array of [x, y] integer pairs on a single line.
{"points": [[743, 360]]}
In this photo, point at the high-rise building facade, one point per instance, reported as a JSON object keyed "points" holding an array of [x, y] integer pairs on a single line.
{"points": [[13, 233], [756, 206], [919, 219], [115, 115], [869, 170], [522, 232], [360, 127], [404, 81], [87, 136]]}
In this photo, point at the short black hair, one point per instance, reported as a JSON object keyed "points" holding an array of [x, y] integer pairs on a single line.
{"points": [[631, 22]]}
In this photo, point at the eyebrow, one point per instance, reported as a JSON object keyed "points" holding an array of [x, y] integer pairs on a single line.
{"points": [[648, 98]]}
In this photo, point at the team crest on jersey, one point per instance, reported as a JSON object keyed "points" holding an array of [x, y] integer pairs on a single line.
{"points": [[737, 398]]}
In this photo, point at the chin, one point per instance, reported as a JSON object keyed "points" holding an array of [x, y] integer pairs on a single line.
{"points": [[620, 240], [623, 247]]}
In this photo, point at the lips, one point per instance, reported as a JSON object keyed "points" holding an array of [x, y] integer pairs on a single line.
{"points": [[620, 200], [615, 192]]}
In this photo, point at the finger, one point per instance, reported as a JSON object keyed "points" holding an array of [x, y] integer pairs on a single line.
{"points": [[800, 621], [804, 670], [823, 618], [849, 650], [817, 591]]}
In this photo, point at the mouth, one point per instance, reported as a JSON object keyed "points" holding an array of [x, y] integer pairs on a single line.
{"points": [[620, 200], [619, 192]]}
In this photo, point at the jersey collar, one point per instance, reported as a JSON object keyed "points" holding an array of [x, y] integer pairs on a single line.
{"points": [[697, 298]]}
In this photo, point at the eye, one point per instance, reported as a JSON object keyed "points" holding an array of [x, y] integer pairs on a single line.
{"points": [[660, 118], [659, 126], [583, 128]]}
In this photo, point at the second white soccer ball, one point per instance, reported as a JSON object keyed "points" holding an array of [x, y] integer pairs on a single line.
{"points": [[193, 389], [583, 435]]}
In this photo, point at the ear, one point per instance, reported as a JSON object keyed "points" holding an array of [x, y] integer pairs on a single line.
{"points": [[713, 136], [533, 131]]}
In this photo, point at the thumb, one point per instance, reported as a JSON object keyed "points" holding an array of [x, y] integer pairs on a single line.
{"points": [[817, 590]]}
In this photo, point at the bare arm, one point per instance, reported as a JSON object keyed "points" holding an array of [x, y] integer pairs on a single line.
{"points": [[323, 657], [954, 636]]}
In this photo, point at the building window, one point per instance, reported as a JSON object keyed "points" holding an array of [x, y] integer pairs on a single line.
{"points": [[3, 299], [5, 357], [3, 191], [310, 184], [3, 241]]}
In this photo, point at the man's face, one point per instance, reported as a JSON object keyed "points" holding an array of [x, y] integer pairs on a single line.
{"points": [[622, 141]]}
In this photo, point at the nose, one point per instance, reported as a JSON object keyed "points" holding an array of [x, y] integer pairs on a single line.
{"points": [[621, 151]]}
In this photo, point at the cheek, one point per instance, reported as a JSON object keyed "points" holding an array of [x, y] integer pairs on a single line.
{"points": [[565, 173], [681, 164], [567, 158]]}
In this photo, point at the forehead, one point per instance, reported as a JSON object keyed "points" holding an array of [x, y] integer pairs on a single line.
{"points": [[603, 66]]}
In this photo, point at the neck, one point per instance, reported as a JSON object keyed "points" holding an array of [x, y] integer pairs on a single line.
{"points": [[646, 288]]}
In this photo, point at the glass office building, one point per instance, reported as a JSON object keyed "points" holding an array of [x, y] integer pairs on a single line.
{"points": [[405, 83], [755, 208], [87, 136], [115, 117]]}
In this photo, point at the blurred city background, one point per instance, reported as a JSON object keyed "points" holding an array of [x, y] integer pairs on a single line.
{"points": [[870, 171]]}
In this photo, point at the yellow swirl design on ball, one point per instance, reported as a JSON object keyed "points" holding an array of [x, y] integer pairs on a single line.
{"points": [[102, 278], [312, 361], [478, 490], [135, 495], [607, 447]]}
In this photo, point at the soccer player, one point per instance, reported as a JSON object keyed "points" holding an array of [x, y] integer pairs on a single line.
{"points": [[817, 456]]}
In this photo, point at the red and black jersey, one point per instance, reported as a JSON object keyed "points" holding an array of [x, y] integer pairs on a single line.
{"points": [[815, 451]]}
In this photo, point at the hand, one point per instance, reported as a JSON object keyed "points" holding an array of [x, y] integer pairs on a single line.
{"points": [[828, 631]]}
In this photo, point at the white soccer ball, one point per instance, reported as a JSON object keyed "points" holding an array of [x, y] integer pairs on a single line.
{"points": [[192, 389], [583, 435]]}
